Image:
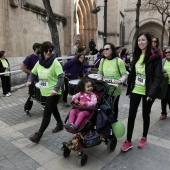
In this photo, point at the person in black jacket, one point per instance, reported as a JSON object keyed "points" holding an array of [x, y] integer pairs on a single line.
{"points": [[143, 84], [5, 78]]}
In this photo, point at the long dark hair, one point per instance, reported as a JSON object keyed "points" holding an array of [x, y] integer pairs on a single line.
{"points": [[157, 41], [123, 52], [77, 56], [138, 51], [114, 54]]}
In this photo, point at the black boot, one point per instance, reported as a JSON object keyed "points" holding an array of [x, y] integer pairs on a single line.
{"points": [[36, 137], [58, 128]]}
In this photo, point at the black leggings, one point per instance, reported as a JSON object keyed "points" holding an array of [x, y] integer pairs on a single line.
{"points": [[146, 109], [115, 106], [165, 101], [50, 107], [65, 94], [6, 84]]}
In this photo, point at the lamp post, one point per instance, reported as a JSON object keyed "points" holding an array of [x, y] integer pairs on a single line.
{"points": [[95, 11], [169, 32], [105, 21]]}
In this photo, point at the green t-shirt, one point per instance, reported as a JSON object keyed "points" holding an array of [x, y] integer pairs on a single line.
{"points": [[140, 86], [167, 69], [48, 77], [5, 64], [111, 72]]}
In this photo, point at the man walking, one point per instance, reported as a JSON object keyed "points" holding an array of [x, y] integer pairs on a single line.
{"points": [[27, 66]]}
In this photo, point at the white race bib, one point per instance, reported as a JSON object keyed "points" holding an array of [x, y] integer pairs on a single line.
{"points": [[43, 83], [108, 79], [140, 79]]}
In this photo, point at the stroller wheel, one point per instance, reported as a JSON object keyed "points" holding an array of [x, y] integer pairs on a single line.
{"points": [[82, 159], [66, 152], [111, 145]]}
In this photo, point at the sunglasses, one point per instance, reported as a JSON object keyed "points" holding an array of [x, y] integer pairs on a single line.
{"points": [[48, 50], [167, 52], [106, 49], [154, 41]]}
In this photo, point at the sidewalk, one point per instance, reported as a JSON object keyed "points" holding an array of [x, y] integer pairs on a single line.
{"points": [[18, 153]]}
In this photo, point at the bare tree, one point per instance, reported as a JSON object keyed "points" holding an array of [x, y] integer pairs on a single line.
{"points": [[137, 17], [51, 20], [162, 7]]}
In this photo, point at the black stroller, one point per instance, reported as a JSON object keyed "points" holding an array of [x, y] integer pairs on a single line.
{"points": [[95, 129]]}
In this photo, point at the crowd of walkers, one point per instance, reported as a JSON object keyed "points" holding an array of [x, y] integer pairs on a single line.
{"points": [[141, 71]]}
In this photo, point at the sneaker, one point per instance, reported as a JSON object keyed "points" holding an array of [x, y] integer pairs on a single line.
{"points": [[9, 93], [73, 127], [142, 143], [58, 128], [162, 117], [6, 95], [36, 137], [67, 125], [27, 113], [66, 104], [126, 146]]}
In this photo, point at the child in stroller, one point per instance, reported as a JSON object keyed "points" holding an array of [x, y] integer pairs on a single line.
{"points": [[85, 97], [88, 133]]}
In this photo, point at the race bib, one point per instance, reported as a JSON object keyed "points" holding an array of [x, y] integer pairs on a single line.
{"points": [[140, 79], [108, 79], [43, 83]]}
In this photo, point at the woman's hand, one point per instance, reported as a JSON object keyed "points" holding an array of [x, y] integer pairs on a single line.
{"points": [[28, 83], [148, 99], [53, 93]]}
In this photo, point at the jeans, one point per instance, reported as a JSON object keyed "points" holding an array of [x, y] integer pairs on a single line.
{"points": [[146, 109]]}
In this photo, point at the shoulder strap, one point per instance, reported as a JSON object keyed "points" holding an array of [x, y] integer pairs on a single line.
{"points": [[118, 66]]}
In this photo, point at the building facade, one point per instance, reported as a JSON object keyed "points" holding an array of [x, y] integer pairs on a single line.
{"points": [[24, 22]]}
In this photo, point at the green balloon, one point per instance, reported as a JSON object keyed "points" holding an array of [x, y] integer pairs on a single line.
{"points": [[118, 129]]}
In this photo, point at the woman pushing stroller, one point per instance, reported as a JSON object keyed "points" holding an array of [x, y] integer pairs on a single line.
{"points": [[84, 98]]}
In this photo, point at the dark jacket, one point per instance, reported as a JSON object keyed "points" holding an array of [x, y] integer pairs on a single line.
{"points": [[73, 69], [153, 70], [2, 69]]}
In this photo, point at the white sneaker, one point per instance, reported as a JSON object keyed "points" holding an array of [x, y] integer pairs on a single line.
{"points": [[9, 93], [6, 95]]}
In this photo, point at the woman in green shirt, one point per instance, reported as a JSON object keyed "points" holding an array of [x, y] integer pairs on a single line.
{"points": [[5, 78], [166, 68], [112, 70], [143, 84], [51, 78]]}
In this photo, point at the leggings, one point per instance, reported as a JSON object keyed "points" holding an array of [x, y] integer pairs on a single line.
{"points": [[115, 106], [65, 94], [77, 116], [6, 84], [146, 109], [50, 107]]}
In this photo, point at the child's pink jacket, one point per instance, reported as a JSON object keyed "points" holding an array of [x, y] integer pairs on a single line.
{"points": [[89, 99]]}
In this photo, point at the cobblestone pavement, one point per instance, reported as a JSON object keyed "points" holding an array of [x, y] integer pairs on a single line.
{"points": [[18, 153]]}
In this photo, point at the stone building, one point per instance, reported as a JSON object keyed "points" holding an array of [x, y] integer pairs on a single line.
{"points": [[24, 22]]}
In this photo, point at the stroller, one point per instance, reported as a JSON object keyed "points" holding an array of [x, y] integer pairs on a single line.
{"points": [[96, 128]]}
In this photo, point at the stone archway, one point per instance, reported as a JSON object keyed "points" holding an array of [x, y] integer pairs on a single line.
{"points": [[153, 27], [87, 22]]}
